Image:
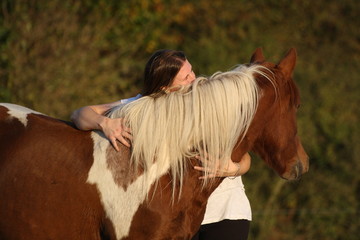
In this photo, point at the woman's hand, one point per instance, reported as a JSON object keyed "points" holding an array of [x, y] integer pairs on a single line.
{"points": [[115, 129], [92, 118], [230, 169]]}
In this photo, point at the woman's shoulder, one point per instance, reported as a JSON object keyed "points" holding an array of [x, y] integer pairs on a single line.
{"points": [[128, 100]]}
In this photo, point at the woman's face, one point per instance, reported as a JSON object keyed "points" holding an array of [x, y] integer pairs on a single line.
{"points": [[185, 75]]}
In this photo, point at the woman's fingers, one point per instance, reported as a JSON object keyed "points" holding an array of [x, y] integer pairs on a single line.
{"points": [[199, 168], [113, 142], [126, 129], [115, 130], [121, 139], [126, 135], [205, 161], [124, 141], [214, 170], [209, 174]]}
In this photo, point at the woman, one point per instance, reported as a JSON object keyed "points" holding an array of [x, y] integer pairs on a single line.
{"points": [[228, 210]]}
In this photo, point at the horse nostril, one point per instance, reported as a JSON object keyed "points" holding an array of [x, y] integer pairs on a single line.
{"points": [[297, 170]]}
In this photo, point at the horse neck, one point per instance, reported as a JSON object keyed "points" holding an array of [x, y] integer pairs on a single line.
{"points": [[266, 106]]}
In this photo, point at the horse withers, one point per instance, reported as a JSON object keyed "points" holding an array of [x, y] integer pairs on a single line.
{"points": [[57, 182]]}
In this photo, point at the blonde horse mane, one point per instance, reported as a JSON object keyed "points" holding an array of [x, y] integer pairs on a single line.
{"points": [[206, 118]]}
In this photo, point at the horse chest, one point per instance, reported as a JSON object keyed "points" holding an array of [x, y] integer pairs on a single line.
{"points": [[121, 193]]}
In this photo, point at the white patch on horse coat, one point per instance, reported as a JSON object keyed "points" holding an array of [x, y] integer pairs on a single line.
{"points": [[120, 205], [19, 112]]}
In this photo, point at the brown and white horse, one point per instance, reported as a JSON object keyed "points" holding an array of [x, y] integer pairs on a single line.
{"points": [[57, 182]]}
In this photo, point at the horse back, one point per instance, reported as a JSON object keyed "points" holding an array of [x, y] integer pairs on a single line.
{"points": [[55, 184], [44, 164]]}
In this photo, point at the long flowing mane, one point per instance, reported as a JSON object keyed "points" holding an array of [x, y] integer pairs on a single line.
{"points": [[148, 191], [206, 118]]}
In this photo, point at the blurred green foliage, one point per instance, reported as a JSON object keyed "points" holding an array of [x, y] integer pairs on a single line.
{"points": [[58, 55]]}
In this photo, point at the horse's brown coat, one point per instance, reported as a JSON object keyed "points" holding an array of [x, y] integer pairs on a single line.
{"points": [[44, 193], [44, 167]]}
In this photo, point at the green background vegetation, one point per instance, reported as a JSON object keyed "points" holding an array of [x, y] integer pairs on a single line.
{"points": [[58, 55]]}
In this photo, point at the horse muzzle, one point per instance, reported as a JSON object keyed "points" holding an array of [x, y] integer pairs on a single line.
{"points": [[300, 167]]}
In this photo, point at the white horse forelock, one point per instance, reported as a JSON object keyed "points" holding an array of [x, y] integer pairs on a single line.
{"points": [[206, 118]]}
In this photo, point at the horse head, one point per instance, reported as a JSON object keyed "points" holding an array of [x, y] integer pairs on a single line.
{"points": [[273, 132]]}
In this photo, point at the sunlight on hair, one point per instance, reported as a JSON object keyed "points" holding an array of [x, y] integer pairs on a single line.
{"points": [[207, 117]]}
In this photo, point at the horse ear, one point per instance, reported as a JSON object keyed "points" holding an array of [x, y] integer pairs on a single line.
{"points": [[287, 64], [257, 56]]}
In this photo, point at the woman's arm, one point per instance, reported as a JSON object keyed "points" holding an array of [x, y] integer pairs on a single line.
{"points": [[92, 118], [233, 169]]}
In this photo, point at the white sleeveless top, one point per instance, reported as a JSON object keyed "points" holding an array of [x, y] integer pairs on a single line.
{"points": [[228, 201]]}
